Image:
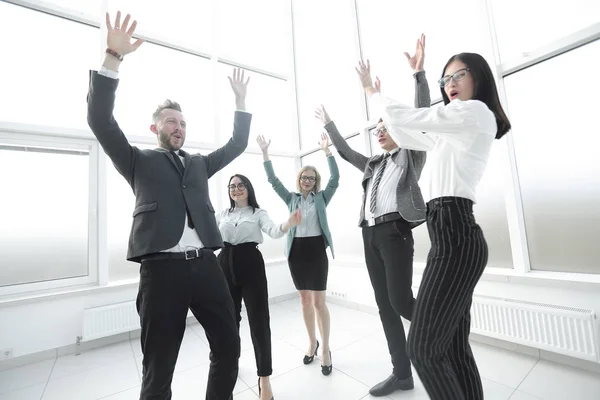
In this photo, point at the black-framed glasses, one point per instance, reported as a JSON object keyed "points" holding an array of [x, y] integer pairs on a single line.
{"points": [[240, 187], [310, 179], [457, 76], [377, 132]]}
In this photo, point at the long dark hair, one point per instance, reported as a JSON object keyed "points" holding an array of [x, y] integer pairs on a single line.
{"points": [[485, 88], [251, 195]]}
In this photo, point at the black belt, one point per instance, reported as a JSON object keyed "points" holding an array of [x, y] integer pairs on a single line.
{"points": [[380, 220], [184, 255]]}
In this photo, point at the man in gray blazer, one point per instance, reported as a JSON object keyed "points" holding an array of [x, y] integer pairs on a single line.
{"points": [[174, 232], [392, 206]]}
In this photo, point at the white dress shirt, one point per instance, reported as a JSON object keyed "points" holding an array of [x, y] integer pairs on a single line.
{"points": [[387, 201], [458, 135], [242, 225], [309, 227]]}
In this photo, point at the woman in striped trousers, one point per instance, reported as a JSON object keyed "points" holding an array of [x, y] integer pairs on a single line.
{"points": [[459, 137]]}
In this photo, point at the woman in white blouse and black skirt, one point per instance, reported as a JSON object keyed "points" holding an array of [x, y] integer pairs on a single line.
{"points": [[241, 226], [459, 137]]}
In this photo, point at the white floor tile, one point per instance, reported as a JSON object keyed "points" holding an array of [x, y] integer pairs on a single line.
{"points": [[246, 395], [191, 384], [518, 395], [496, 391], [367, 360], [359, 353], [98, 357], [94, 383], [502, 366], [552, 381], [131, 394], [27, 375], [307, 382], [29, 393]]}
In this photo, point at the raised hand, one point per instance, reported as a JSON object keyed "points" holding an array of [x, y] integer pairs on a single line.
{"points": [[324, 143], [120, 35], [322, 115], [238, 84], [377, 84], [416, 62], [263, 144], [364, 74]]}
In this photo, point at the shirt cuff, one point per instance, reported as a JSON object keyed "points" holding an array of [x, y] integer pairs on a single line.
{"points": [[108, 73]]}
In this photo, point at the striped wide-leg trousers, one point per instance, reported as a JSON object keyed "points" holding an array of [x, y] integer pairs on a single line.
{"points": [[438, 341]]}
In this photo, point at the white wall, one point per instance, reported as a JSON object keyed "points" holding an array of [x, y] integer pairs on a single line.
{"points": [[35, 326]]}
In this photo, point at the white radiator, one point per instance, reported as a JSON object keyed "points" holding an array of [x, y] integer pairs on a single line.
{"points": [[99, 322], [565, 330], [110, 320]]}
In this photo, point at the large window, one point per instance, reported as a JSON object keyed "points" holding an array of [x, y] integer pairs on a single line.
{"points": [[326, 55], [256, 33], [44, 208], [554, 111], [42, 82], [153, 74], [344, 210], [269, 100], [389, 28], [553, 20], [186, 23], [87, 9], [251, 166]]}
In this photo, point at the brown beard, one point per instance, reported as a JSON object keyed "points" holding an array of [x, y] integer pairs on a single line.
{"points": [[165, 141]]}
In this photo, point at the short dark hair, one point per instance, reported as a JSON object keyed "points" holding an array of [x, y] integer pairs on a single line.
{"points": [[251, 194], [167, 104], [485, 88]]}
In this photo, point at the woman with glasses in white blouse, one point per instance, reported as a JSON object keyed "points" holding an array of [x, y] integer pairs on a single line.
{"points": [[459, 137], [241, 226]]}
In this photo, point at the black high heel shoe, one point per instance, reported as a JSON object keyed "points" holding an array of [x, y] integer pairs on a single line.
{"points": [[326, 369], [308, 359], [260, 390]]}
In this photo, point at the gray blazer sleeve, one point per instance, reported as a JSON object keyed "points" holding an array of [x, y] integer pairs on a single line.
{"points": [[344, 150], [219, 158], [422, 95], [422, 100]]}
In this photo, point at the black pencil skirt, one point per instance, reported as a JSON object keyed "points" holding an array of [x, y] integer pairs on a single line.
{"points": [[308, 263]]}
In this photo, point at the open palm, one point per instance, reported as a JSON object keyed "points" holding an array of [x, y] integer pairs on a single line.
{"points": [[416, 61], [119, 36]]}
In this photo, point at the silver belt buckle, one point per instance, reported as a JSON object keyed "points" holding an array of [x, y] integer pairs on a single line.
{"points": [[371, 222], [194, 254]]}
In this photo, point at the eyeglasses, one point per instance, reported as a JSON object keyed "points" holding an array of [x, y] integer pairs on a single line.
{"points": [[379, 131], [240, 186], [310, 179], [457, 76]]}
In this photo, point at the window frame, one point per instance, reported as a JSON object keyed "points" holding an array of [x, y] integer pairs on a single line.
{"points": [[25, 136]]}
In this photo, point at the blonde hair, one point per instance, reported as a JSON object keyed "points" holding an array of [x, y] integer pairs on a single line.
{"points": [[317, 186]]}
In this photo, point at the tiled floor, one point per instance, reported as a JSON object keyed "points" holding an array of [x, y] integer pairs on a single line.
{"points": [[360, 360]]}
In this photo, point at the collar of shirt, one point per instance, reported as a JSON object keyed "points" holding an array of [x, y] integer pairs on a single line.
{"points": [[392, 152]]}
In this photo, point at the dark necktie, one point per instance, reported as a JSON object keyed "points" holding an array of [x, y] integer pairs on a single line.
{"points": [[181, 169], [376, 182]]}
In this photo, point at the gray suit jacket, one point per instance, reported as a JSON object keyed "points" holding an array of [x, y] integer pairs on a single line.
{"points": [[161, 192], [411, 205]]}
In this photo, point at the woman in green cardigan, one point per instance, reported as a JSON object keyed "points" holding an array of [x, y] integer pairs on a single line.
{"points": [[306, 244]]}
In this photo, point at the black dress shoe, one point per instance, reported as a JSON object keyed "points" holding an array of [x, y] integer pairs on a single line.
{"points": [[308, 359], [392, 384], [326, 369]]}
